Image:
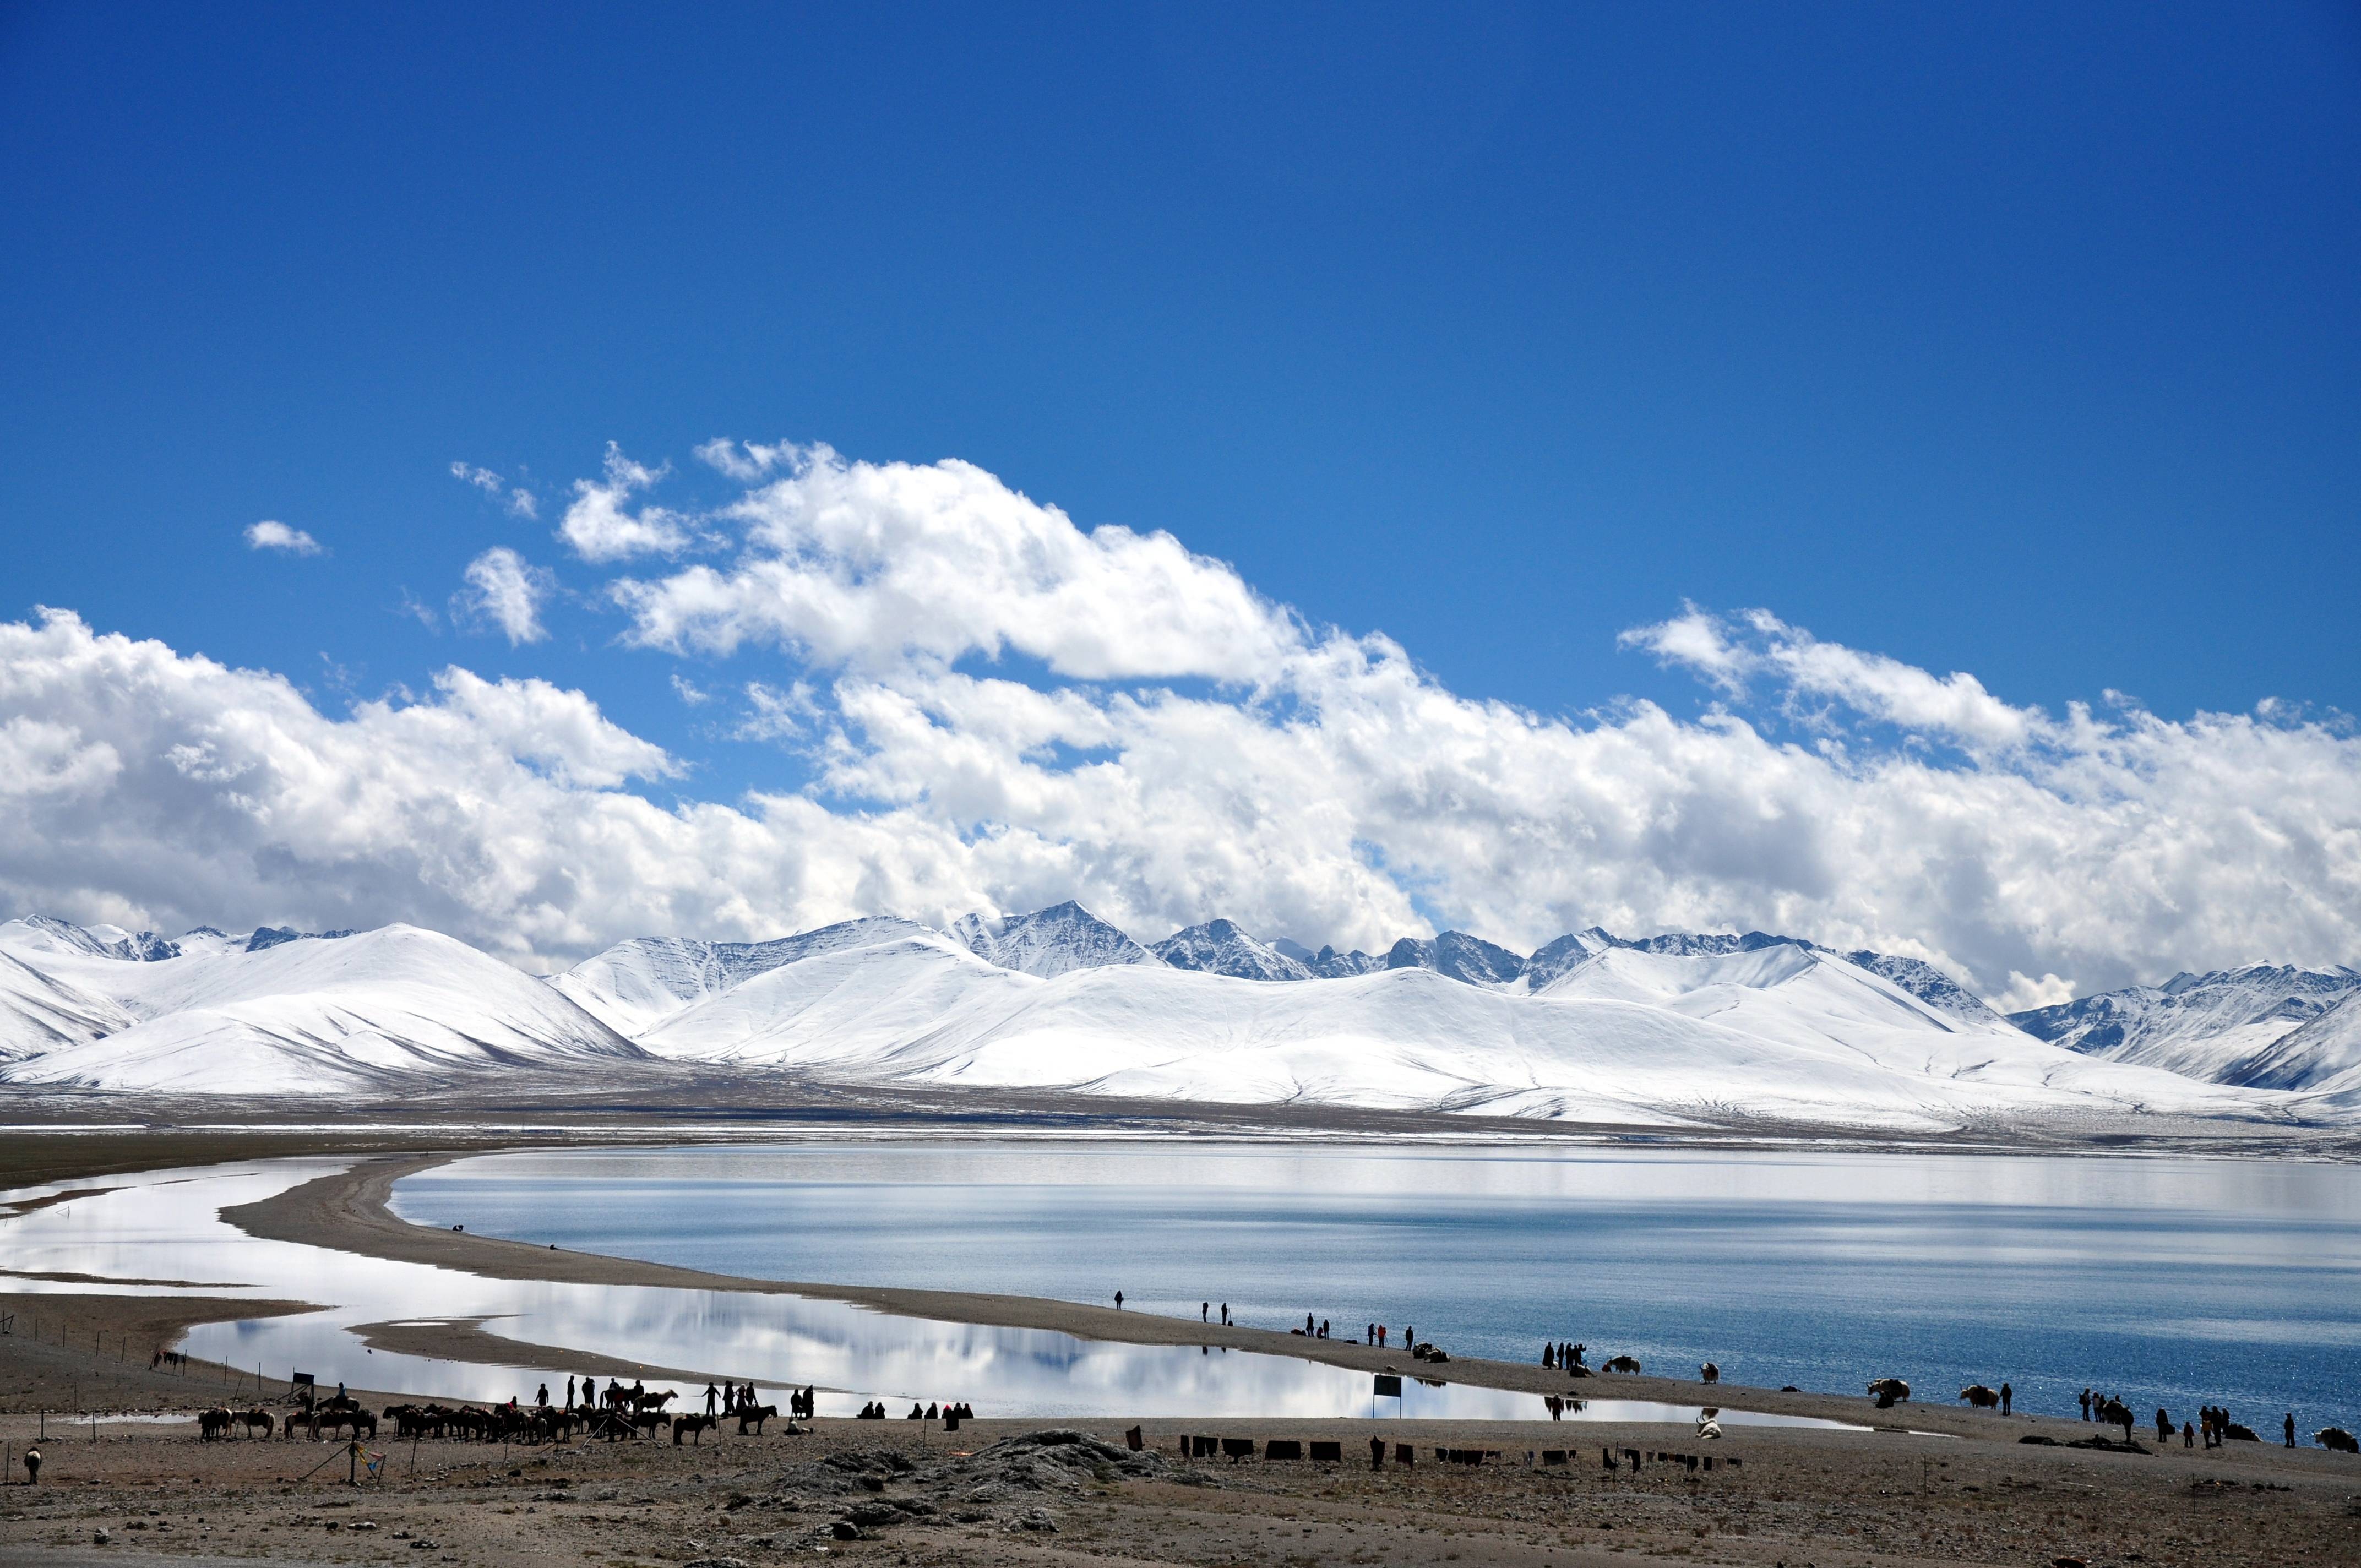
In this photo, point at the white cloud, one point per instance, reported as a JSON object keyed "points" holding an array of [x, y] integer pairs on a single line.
{"points": [[1302, 780], [268, 534], [1731, 654], [600, 527], [519, 501], [506, 591], [774, 715], [689, 691]]}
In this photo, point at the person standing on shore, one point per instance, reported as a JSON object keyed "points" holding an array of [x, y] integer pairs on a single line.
{"points": [[1204, 1311], [1118, 1301], [2006, 1394], [713, 1396], [2291, 1429], [1225, 1314], [2086, 1404]]}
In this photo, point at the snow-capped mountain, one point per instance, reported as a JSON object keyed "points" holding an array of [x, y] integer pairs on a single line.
{"points": [[1051, 941], [1457, 956], [391, 1006], [637, 985], [2323, 1054], [2202, 1025], [1330, 964], [1681, 1027], [1627, 1036], [1222, 947]]}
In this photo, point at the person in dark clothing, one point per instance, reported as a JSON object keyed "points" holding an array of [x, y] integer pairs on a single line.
{"points": [[1204, 1311], [2006, 1394], [2188, 1435], [2086, 1404], [2291, 1429], [712, 1397], [1118, 1301], [1225, 1314]]}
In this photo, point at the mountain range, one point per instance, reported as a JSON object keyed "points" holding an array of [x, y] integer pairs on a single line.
{"points": [[1681, 1026]]}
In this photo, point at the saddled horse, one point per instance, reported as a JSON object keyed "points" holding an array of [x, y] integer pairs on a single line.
{"points": [[751, 1417], [691, 1426], [257, 1420], [213, 1423]]}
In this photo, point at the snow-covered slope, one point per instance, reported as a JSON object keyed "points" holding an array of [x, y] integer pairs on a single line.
{"points": [[1049, 941], [2201, 1026], [1222, 947], [40, 1012], [389, 1006], [2324, 1054], [1681, 1026], [635, 986], [1629, 1037]]}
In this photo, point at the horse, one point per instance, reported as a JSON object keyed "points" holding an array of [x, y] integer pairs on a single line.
{"points": [[1890, 1391], [254, 1420], [1710, 1373], [751, 1417], [655, 1399], [213, 1423], [2337, 1440], [1981, 1398], [695, 1426], [1620, 1364]]}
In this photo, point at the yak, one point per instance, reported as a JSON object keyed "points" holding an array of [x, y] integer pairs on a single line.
{"points": [[1890, 1392], [1622, 1364], [1981, 1398], [1710, 1373], [2337, 1439]]}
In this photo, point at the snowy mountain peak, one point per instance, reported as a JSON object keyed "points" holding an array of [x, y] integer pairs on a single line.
{"points": [[1048, 942], [1330, 964], [45, 932], [1554, 957], [267, 937], [1222, 947], [1458, 956], [638, 984], [2216, 1025]]}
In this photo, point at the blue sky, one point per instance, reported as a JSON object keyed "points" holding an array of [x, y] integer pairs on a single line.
{"points": [[2020, 341]]}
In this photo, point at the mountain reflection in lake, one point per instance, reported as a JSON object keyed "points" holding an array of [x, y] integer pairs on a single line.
{"points": [[2168, 1281], [166, 1226]]}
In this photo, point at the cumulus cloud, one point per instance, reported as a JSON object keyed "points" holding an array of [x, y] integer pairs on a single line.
{"points": [[600, 527], [998, 710], [504, 590], [268, 534]]}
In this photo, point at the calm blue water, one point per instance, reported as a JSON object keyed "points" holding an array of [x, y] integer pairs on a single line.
{"points": [[2170, 1282]]}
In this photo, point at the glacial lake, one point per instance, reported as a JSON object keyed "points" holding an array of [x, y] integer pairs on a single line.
{"points": [[2170, 1282], [161, 1233]]}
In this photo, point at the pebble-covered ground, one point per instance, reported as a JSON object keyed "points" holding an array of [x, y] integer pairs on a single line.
{"points": [[999, 1492]]}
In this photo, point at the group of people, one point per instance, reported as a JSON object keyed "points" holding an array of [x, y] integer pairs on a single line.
{"points": [[1562, 1355], [962, 1411], [2212, 1424], [740, 1398]]}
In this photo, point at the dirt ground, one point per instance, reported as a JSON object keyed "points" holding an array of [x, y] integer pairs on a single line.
{"points": [[986, 1494]]}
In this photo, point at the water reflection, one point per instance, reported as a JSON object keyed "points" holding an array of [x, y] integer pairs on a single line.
{"points": [[2183, 1281], [166, 1226]]}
